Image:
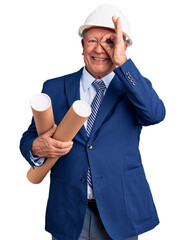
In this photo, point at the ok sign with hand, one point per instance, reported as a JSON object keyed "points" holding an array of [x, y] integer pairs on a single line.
{"points": [[114, 44]]}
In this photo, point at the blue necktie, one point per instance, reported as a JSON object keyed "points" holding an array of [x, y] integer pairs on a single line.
{"points": [[100, 88]]}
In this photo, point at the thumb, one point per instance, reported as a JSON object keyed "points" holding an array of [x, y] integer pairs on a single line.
{"points": [[51, 131]]}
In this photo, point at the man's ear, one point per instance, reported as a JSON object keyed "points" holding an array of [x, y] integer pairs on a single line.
{"points": [[82, 42], [126, 45]]}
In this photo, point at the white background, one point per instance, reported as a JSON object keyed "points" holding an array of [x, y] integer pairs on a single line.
{"points": [[39, 41]]}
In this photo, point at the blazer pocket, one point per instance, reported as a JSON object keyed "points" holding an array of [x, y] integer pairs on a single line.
{"points": [[57, 209], [138, 198]]}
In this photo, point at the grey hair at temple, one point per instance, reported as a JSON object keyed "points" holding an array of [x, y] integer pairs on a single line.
{"points": [[84, 34]]}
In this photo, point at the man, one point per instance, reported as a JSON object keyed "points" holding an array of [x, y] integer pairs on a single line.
{"points": [[98, 187]]}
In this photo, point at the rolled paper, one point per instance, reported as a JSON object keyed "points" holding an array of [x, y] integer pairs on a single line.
{"points": [[44, 120], [42, 112], [66, 131], [72, 121]]}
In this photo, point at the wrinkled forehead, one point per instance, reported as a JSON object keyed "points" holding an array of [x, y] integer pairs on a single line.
{"points": [[98, 31]]}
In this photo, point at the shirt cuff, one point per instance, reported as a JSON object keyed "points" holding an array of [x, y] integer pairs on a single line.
{"points": [[37, 161]]}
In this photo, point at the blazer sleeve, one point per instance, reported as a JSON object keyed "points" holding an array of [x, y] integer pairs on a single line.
{"points": [[29, 136], [149, 107]]}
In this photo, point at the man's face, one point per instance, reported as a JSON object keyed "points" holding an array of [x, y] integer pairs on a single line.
{"points": [[97, 60]]}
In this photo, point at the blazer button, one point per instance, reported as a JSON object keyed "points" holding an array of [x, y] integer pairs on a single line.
{"points": [[82, 180], [89, 146]]}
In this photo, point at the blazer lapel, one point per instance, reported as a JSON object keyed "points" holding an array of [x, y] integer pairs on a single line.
{"points": [[113, 94], [72, 89]]}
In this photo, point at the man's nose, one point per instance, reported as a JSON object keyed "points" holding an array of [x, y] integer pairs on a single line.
{"points": [[99, 48]]}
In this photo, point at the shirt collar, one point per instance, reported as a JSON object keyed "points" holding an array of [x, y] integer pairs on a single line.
{"points": [[87, 79]]}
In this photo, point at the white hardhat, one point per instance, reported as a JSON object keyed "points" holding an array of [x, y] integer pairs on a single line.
{"points": [[102, 17]]}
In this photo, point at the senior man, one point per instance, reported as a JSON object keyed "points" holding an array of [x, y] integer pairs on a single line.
{"points": [[98, 187]]}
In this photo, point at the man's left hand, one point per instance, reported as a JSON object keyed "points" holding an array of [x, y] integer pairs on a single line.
{"points": [[114, 44]]}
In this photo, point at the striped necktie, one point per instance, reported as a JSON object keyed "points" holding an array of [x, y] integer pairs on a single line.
{"points": [[100, 88]]}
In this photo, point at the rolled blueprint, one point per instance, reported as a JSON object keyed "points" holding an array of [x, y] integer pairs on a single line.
{"points": [[66, 130]]}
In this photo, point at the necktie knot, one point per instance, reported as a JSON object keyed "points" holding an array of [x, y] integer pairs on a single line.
{"points": [[99, 84]]}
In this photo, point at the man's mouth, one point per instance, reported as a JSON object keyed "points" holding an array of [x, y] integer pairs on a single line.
{"points": [[99, 59]]}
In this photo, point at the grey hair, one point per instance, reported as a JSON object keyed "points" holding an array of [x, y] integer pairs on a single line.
{"points": [[84, 34]]}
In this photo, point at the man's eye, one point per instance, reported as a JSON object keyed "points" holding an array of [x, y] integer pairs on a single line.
{"points": [[92, 41], [108, 41]]}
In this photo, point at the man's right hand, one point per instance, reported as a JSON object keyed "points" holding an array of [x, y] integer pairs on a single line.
{"points": [[46, 146]]}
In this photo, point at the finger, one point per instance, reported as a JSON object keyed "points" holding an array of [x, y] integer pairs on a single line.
{"points": [[61, 145], [56, 152], [107, 41], [108, 36], [117, 24], [114, 21], [51, 131], [118, 28], [60, 151]]}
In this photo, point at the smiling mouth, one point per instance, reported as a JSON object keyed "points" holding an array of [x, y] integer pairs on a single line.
{"points": [[100, 59]]}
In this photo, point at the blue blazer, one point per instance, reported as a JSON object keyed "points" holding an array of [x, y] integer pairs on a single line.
{"points": [[121, 190]]}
